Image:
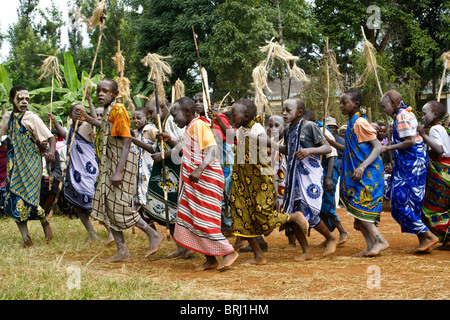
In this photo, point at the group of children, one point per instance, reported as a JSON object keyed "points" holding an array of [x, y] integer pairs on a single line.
{"points": [[204, 180]]}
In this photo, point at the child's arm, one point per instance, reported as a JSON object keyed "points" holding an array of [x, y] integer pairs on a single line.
{"points": [[436, 148], [117, 178], [228, 134], [408, 142], [50, 156], [58, 126], [91, 105], [328, 181], [263, 139], [335, 144], [83, 116], [142, 145], [376, 151], [211, 152], [325, 148]]}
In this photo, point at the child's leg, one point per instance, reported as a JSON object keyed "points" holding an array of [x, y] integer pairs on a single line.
{"points": [[84, 217], [23, 228], [370, 241], [210, 263], [259, 257], [343, 234], [426, 241], [307, 254], [330, 240], [154, 237], [379, 242], [123, 255], [48, 232]]}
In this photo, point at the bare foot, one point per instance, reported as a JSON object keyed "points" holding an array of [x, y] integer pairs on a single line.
{"points": [[155, 243], [28, 243], [209, 264], [118, 258], [228, 260], [109, 241], [330, 246], [444, 247], [361, 254], [429, 241], [177, 253], [376, 249], [188, 254], [257, 261], [304, 257], [343, 237]]}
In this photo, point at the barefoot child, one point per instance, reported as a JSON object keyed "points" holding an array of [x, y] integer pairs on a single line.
{"points": [[26, 136], [252, 190], [198, 223], [113, 200], [82, 168], [406, 188], [304, 142], [330, 179], [436, 205], [362, 183], [146, 133]]}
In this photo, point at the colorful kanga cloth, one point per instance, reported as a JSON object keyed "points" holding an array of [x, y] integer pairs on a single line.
{"points": [[363, 199], [82, 172], [24, 171], [303, 190], [155, 207], [114, 205], [279, 170], [406, 188], [252, 189], [328, 209], [145, 163], [436, 205], [198, 222]]}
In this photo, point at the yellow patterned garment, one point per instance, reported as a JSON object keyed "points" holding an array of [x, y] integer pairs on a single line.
{"points": [[252, 193], [120, 120]]}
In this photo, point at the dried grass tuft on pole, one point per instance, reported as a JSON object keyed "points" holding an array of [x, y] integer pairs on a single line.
{"points": [[158, 71], [97, 16], [274, 51], [123, 82]]}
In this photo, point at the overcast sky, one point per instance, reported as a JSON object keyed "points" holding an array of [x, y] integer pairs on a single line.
{"points": [[8, 16]]}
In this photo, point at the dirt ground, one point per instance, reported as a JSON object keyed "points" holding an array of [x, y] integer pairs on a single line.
{"points": [[393, 275]]}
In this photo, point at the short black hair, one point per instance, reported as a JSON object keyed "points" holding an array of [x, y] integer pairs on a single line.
{"points": [[355, 95], [437, 107], [249, 105], [309, 115], [114, 85], [15, 89], [186, 103]]}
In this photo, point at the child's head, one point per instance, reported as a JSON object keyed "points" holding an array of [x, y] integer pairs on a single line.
{"points": [[390, 102], [107, 91], [19, 98], [276, 127], [350, 102], [383, 130], [243, 112], [432, 112], [309, 115], [183, 111], [99, 111], [198, 99], [343, 131], [151, 111], [140, 118], [293, 110]]}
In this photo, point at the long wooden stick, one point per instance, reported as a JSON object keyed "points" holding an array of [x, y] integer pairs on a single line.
{"points": [[204, 84]]}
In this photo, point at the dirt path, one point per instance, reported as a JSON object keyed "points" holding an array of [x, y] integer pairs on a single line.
{"points": [[392, 275]]}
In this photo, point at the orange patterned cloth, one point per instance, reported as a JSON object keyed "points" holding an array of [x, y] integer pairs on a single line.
{"points": [[120, 120]]}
